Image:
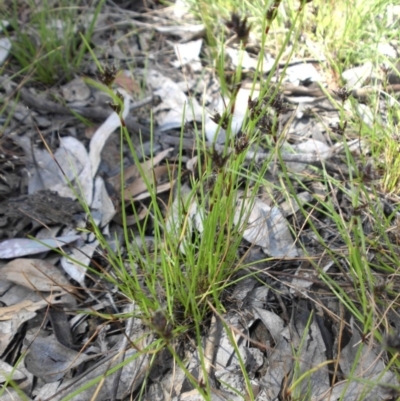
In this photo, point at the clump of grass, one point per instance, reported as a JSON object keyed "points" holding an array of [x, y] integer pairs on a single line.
{"points": [[49, 45], [195, 244], [177, 279]]}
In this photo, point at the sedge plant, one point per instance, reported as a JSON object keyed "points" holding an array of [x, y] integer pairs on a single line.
{"points": [[179, 280]]}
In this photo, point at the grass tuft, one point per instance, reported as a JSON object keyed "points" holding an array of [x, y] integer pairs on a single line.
{"points": [[49, 44]]}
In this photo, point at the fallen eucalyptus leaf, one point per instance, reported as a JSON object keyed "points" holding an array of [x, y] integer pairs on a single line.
{"points": [[266, 227], [24, 308], [35, 274], [76, 263], [7, 372], [102, 202], [133, 173], [13, 248], [102, 134], [12, 395], [5, 47], [50, 360]]}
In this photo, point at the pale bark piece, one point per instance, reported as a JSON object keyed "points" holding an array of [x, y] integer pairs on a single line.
{"points": [[232, 376], [251, 217], [4, 24], [367, 114], [243, 288], [315, 147], [266, 227], [67, 171], [293, 205], [5, 47], [13, 248], [12, 294], [187, 201], [47, 232], [102, 202], [175, 108], [187, 52], [216, 395], [181, 29], [11, 395], [7, 373], [302, 72], [248, 61], [280, 359], [44, 172], [172, 381], [281, 242], [310, 354], [10, 327], [73, 159], [36, 274], [385, 49], [239, 105], [103, 133], [77, 261], [355, 77], [43, 392]]}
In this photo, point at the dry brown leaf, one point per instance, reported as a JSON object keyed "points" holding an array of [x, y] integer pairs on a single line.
{"points": [[133, 172], [125, 80], [159, 189], [9, 312], [132, 219], [138, 189], [35, 274]]}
